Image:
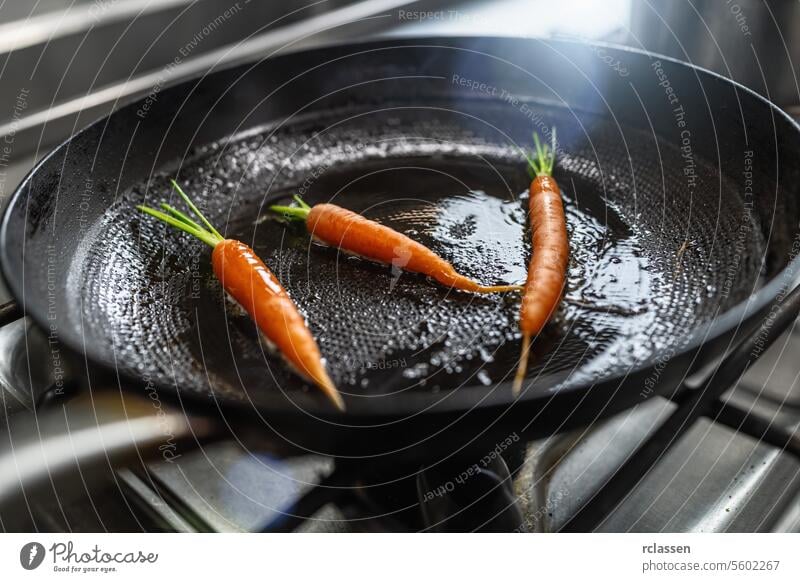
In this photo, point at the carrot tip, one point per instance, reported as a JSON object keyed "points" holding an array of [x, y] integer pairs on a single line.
{"points": [[523, 364], [338, 401], [336, 398], [329, 389], [463, 283]]}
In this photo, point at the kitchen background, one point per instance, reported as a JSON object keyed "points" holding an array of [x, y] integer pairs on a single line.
{"points": [[64, 64]]}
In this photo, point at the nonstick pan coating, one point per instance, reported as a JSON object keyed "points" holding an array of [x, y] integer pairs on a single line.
{"points": [[666, 241], [150, 294]]}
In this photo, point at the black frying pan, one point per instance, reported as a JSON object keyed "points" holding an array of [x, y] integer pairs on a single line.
{"points": [[680, 188]]}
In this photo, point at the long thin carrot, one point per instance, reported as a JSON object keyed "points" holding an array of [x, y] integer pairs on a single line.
{"points": [[351, 232], [547, 269], [247, 279]]}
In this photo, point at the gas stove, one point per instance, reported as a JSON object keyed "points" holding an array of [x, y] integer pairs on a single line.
{"points": [[719, 456], [718, 472]]}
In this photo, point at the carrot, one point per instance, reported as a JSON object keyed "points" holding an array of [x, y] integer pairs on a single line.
{"points": [[351, 232], [247, 280], [547, 270]]}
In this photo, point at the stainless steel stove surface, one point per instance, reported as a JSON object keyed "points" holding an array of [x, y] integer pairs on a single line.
{"points": [[716, 475]]}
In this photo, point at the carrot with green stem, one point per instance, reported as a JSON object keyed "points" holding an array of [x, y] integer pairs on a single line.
{"points": [[547, 270], [246, 278], [355, 234]]}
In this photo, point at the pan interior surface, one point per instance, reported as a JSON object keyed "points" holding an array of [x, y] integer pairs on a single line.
{"points": [[649, 259]]}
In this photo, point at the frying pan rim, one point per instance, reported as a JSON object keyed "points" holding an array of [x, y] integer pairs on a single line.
{"points": [[500, 396]]}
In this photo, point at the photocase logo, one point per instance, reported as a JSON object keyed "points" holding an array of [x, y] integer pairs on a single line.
{"points": [[31, 555]]}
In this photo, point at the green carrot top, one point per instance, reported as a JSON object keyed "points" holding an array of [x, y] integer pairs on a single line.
{"points": [[541, 164], [299, 212], [174, 217]]}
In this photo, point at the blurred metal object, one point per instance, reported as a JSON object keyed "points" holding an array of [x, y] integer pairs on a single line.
{"points": [[754, 42], [21, 385], [25, 29], [64, 449], [47, 97], [68, 53]]}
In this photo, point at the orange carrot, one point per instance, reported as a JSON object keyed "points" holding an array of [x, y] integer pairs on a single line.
{"points": [[247, 280], [547, 270], [351, 232]]}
